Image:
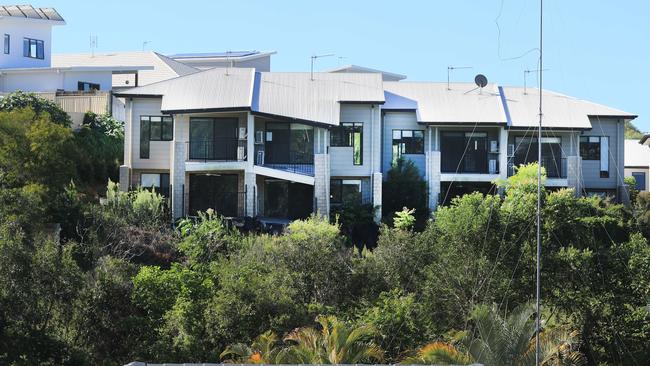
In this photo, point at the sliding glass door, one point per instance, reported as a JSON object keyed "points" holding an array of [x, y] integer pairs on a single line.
{"points": [[464, 152], [213, 138]]}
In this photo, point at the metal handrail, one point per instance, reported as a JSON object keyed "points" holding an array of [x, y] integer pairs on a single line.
{"points": [[220, 149]]}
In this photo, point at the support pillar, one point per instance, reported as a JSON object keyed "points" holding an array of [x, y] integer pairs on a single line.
{"points": [[125, 178], [377, 182], [250, 182], [433, 173], [574, 174], [178, 180], [322, 184]]}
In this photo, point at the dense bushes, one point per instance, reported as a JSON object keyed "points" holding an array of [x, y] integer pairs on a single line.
{"points": [[121, 284]]}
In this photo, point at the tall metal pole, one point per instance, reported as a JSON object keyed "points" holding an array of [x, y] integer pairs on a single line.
{"points": [[539, 193]]}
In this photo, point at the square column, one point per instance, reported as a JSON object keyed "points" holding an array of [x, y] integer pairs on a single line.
{"points": [[125, 178], [322, 184], [177, 176], [250, 183], [574, 174], [433, 175], [377, 182]]}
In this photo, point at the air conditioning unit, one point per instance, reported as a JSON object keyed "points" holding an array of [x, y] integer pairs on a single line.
{"points": [[511, 150], [492, 168], [242, 133], [259, 137], [259, 159]]}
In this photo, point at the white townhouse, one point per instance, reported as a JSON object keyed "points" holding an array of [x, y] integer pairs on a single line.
{"points": [[280, 146]]}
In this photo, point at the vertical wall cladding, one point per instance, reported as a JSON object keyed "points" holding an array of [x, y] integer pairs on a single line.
{"points": [[401, 121], [160, 151], [613, 129], [342, 163]]}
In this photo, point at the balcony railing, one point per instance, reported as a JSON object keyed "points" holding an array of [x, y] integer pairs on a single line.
{"points": [[221, 149], [297, 162], [555, 167]]}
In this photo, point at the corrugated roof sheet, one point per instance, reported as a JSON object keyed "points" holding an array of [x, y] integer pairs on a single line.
{"points": [[636, 155], [560, 111], [30, 12], [289, 95], [164, 68], [213, 89], [295, 95], [461, 103]]}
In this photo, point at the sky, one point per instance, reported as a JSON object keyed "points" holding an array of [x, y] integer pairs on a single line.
{"points": [[595, 50]]}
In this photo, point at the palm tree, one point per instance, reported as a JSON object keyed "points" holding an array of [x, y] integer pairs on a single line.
{"points": [[335, 343], [510, 340], [439, 353], [263, 350]]}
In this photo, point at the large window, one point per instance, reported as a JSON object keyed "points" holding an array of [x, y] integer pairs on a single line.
{"points": [[33, 48], [154, 128], [596, 148], [465, 152], [7, 44], [156, 181], [639, 177], [345, 191], [407, 142], [590, 147], [349, 134]]}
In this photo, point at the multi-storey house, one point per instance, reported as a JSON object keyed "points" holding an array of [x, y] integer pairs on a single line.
{"points": [[280, 146]]}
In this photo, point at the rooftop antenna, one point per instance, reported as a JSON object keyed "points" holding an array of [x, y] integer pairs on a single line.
{"points": [[452, 68], [93, 45], [538, 258], [526, 72], [144, 44], [313, 58], [340, 58]]}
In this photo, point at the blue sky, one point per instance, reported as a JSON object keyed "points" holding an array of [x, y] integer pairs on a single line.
{"points": [[595, 50]]}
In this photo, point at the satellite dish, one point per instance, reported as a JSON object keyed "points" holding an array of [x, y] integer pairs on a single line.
{"points": [[481, 80]]}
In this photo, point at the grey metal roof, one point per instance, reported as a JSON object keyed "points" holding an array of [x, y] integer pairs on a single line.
{"points": [[636, 154], [30, 12], [560, 111], [460, 103], [287, 95], [295, 95], [213, 89]]}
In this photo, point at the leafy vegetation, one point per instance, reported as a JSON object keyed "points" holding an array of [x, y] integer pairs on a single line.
{"points": [[119, 283], [631, 131]]}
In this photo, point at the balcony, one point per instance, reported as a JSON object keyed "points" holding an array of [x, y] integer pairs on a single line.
{"points": [[297, 162], [221, 149], [556, 167]]}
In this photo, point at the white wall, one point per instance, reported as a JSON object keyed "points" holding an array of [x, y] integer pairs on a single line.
{"points": [[160, 151], [341, 160], [50, 80], [18, 29], [401, 121]]}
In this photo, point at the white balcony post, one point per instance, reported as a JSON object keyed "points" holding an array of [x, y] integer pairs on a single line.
{"points": [[503, 153], [250, 179]]}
